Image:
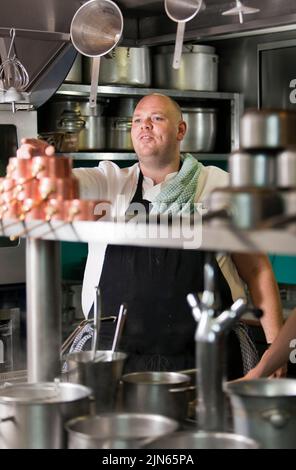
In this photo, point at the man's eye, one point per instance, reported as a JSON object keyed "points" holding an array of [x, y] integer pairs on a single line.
{"points": [[136, 121], [157, 118]]}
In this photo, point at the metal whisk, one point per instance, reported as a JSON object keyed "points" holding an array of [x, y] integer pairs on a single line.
{"points": [[12, 72]]}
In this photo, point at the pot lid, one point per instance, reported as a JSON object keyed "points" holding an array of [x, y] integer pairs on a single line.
{"points": [[198, 110], [46, 392], [187, 48]]}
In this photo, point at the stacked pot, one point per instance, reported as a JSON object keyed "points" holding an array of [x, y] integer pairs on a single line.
{"points": [[71, 127], [262, 172]]}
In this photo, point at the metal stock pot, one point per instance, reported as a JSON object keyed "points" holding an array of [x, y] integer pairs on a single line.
{"points": [[124, 66], [198, 69], [32, 416], [201, 129], [165, 393], [265, 410], [203, 440], [117, 430]]}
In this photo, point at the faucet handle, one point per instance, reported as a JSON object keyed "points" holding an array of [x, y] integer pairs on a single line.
{"points": [[194, 303]]}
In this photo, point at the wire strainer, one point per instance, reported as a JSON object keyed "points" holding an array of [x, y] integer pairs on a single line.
{"points": [[12, 72]]}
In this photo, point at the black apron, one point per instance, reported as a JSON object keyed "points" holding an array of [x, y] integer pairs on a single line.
{"points": [[154, 282]]}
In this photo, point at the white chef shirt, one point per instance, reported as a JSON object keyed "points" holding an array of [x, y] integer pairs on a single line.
{"points": [[107, 181]]}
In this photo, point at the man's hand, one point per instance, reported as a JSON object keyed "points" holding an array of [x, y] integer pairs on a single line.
{"points": [[34, 147], [280, 373]]}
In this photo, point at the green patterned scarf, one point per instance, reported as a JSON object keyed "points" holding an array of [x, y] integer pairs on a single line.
{"points": [[179, 193]]}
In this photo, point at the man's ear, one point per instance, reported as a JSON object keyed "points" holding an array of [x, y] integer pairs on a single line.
{"points": [[182, 127]]}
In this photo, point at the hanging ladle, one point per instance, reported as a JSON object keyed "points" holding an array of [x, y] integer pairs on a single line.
{"points": [[181, 11], [95, 30], [119, 327], [97, 322]]}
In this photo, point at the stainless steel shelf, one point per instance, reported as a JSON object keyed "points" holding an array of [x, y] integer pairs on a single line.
{"points": [[122, 156], [75, 89], [204, 237]]}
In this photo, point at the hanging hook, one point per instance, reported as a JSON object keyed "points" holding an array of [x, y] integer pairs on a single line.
{"points": [[12, 35]]}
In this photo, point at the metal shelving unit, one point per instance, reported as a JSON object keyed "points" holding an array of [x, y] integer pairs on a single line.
{"points": [[123, 156], [173, 235], [236, 109]]}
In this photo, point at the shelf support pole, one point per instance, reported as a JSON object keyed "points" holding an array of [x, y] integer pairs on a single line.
{"points": [[43, 309]]}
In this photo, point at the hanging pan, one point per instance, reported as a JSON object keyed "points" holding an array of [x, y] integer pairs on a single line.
{"points": [[95, 30]]}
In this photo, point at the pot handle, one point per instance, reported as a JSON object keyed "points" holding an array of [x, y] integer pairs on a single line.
{"points": [[278, 419], [8, 418], [182, 389]]}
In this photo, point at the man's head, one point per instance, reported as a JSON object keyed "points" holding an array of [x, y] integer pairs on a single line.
{"points": [[157, 130]]}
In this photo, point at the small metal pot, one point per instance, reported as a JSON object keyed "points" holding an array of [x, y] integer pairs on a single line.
{"points": [[286, 169], [102, 375], [164, 393], [117, 430], [32, 416], [119, 133], [268, 129], [265, 410], [203, 440], [201, 129], [251, 206], [257, 168]]}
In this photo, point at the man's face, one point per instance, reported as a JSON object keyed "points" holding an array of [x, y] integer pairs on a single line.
{"points": [[157, 129]]}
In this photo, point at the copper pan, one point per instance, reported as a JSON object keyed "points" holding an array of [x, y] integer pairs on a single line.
{"points": [[19, 168], [84, 209], [58, 188], [51, 167]]}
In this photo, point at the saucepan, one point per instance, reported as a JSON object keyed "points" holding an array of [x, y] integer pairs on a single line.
{"points": [[165, 393], [203, 440], [117, 430], [95, 30]]}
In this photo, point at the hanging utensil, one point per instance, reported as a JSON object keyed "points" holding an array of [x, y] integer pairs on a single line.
{"points": [[181, 11], [240, 9], [97, 322], [95, 30], [12, 72], [119, 327]]}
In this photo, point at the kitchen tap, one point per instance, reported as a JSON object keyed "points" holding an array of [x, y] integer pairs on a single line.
{"points": [[210, 349]]}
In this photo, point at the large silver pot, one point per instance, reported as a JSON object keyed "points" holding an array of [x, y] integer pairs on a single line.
{"points": [[32, 416], [123, 66], [102, 375], [93, 134], [90, 136], [117, 430], [203, 440], [165, 393], [265, 410], [119, 133], [201, 129], [198, 69], [268, 129]]}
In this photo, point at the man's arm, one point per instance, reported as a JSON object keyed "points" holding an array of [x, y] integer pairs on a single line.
{"points": [[279, 352], [256, 271]]}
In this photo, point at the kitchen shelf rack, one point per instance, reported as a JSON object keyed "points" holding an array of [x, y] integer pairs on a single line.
{"points": [[122, 156], [204, 236], [235, 101]]}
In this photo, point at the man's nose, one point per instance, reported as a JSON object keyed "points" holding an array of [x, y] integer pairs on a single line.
{"points": [[146, 123]]}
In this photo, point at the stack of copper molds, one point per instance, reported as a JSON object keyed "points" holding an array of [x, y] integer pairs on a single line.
{"points": [[43, 188]]}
